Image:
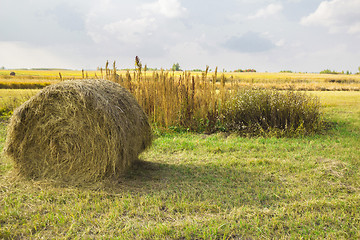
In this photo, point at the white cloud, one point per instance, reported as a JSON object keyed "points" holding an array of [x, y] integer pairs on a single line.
{"points": [[166, 8], [336, 15], [189, 54], [109, 21], [19, 54], [355, 28], [131, 30], [280, 43], [193, 33], [270, 10]]}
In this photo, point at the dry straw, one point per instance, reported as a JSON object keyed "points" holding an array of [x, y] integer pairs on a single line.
{"points": [[82, 130]]}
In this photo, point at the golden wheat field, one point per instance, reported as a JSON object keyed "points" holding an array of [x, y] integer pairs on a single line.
{"points": [[294, 81]]}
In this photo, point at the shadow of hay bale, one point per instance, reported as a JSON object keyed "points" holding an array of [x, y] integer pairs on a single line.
{"points": [[82, 130]]}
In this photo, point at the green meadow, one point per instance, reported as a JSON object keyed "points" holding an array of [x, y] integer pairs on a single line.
{"points": [[197, 186]]}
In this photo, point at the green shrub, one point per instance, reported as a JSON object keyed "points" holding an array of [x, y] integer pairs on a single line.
{"points": [[280, 113]]}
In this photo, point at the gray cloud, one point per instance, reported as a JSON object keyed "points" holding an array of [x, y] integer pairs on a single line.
{"points": [[68, 17], [86, 33], [250, 42], [41, 24]]}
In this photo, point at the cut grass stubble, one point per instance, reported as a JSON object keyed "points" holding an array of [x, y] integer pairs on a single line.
{"points": [[196, 186]]}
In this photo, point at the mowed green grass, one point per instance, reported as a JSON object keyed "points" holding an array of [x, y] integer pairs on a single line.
{"points": [[195, 186], [14, 97], [17, 93]]}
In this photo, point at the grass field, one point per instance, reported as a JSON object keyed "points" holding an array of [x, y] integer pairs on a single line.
{"points": [[196, 186], [199, 100], [294, 81]]}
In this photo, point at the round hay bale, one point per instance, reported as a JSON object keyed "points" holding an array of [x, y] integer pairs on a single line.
{"points": [[77, 130]]}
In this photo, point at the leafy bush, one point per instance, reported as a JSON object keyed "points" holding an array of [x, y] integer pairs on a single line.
{"points": [[271, 112]]}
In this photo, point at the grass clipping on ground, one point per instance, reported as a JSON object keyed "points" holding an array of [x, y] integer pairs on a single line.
{"points": [[81, 130]]}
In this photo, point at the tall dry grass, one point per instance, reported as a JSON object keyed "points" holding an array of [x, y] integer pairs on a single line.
{"points": [[171, 100], [207, 102], [200, 101]]}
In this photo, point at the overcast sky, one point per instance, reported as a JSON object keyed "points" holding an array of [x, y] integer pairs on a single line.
{"points": [[267, 35]]}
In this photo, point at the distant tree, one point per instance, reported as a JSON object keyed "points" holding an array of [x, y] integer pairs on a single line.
{"points": [[246, 70], [2, 68], [176, 67], [328, 71]]}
